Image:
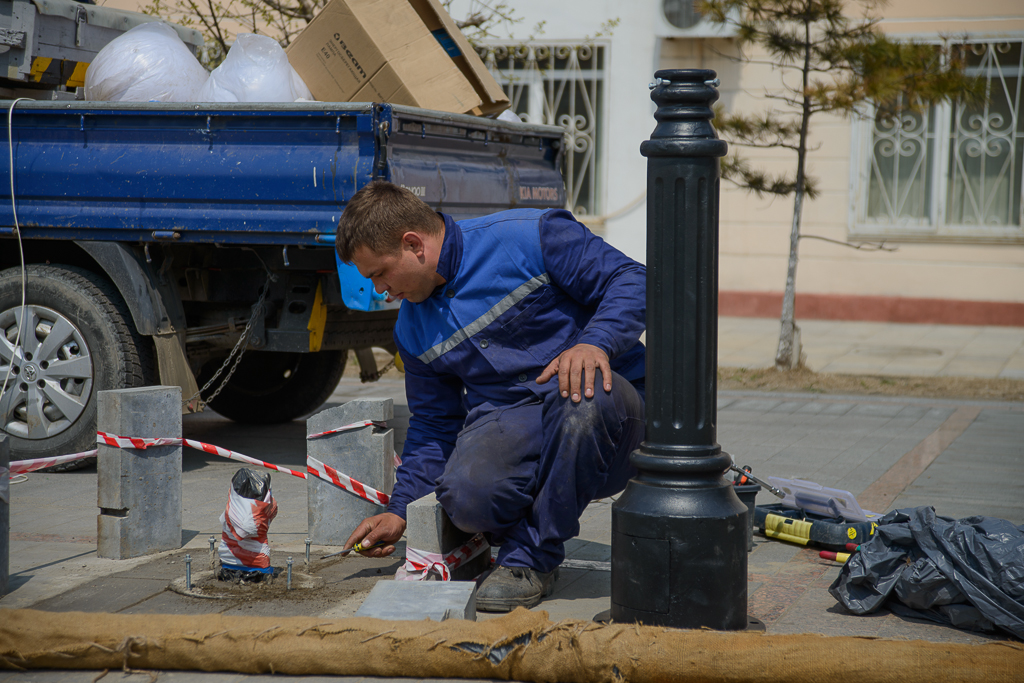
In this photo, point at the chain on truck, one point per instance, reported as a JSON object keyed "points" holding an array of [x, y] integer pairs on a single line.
{"points": [[191, 244]]}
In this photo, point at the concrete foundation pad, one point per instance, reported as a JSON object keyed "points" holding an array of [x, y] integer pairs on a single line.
{"points": [[417, 600]]}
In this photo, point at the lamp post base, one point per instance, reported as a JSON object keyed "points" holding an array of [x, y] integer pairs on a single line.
{"points": [[679, 553]]}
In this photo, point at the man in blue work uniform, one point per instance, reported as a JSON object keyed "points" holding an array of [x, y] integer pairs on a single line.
{"points": [[520, 334]]}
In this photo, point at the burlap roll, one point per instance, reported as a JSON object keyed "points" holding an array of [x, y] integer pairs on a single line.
{"points": [[522, 646]]}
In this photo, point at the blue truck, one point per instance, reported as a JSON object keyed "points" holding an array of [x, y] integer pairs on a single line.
{"points": [[160, 241]]}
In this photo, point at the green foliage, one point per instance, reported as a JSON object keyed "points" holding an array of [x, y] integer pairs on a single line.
{"points": [[738, 170]]}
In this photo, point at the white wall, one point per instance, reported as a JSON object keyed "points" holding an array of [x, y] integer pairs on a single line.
{"points": [[632, 58]]}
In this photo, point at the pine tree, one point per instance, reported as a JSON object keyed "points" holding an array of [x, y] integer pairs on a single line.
{"points": [[837, 64]]}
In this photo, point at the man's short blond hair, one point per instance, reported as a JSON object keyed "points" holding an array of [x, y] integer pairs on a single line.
{"points": [[378, 215]]}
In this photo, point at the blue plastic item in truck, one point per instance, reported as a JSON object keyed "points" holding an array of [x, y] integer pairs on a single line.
{"points": [[357, 291]]}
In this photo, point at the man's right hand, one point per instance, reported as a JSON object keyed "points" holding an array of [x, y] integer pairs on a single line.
{"points": [[386, 527]]}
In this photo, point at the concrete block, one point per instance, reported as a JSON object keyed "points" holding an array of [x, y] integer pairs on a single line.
{"points": [[5, 514], [418, 600], [139, 491], [430, 530], [400, 425], [366, 455]]}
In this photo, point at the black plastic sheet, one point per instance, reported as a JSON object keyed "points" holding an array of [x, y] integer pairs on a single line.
{"points": [[968, 573], [250, 484]]}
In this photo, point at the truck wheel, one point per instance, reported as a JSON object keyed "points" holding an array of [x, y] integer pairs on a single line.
{"points": [[78, 339], [272, 387]]}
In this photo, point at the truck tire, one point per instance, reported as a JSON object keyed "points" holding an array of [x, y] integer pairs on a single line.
{"points": [[273, 387], [81, 340]]}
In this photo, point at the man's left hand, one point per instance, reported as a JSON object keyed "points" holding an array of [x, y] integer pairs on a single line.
{"points": [[576, 368]]}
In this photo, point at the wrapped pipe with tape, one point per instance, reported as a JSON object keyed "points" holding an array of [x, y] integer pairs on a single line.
{"points": [[244, 551]]}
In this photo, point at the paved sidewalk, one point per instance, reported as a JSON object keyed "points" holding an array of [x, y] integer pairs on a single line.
{"points": [[962, 457], [879, 348]]}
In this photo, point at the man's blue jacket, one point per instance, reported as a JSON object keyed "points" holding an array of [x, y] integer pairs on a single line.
{"points": [[521, 286]]}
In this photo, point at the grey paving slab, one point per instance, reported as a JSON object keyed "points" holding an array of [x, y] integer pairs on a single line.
{"points": [[837, 408], [859, 480], [166, 602], [417, 600], [788, 407], [815, 611], [108, 594], [982, 472], [755, 405], [579, 549], [812, 408], [901, 628], [769, 556], [825, 440], [877, 409]]}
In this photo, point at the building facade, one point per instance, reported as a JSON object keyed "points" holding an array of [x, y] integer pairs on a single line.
{"points": [[943, 187]]}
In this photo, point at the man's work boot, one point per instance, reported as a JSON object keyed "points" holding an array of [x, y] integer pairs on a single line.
{"points": [[506, 588]]}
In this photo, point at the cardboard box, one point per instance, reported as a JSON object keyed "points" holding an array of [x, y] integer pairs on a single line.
{"points": [[398, 51]]}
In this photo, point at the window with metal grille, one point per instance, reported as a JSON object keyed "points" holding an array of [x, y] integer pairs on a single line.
{"points": [[560, 85], [951, 171]]}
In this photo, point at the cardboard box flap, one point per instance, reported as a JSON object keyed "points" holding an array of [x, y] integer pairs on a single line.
{"points": [[355, 51], [419, 62], [400, 51], [435, 93], [437, 20]]}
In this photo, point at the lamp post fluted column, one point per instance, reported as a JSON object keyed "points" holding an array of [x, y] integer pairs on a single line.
{"points": [[679, 548]]}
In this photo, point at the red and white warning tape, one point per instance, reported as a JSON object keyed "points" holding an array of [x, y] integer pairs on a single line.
{"points": [[313, 466], [142, 444], [419, 564], [348, 428], [26, 466], [355, 425], [328, 473]]}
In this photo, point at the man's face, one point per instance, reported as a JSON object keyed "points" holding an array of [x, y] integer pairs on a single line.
{"points": [[403, 274]]}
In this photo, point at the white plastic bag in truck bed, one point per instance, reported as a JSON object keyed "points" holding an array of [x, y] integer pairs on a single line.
{"points": [[255, 70], [149, 63]]}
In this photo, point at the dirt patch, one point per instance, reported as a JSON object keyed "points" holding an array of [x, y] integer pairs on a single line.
{"points": [[804, 380]]}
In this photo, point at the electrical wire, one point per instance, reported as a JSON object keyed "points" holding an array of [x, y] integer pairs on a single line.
{"points": [[21, 253]]}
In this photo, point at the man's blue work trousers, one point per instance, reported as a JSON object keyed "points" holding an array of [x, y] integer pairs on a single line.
{"points": [[524, 473]]}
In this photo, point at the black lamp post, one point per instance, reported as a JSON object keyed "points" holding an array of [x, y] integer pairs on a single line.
{"points": [[679, 545]]}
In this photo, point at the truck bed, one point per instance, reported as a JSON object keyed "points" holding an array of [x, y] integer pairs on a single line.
{"points": [[256, 174]]}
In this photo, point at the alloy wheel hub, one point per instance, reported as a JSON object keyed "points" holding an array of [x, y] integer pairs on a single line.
{"points": [[49, 374]]}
